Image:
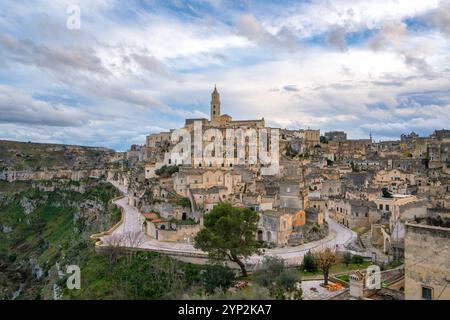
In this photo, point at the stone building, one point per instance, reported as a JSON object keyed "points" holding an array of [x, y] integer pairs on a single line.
{"points": [[275, 226], [336, 136], [427, 262], [156, 140], [353, 213], [199, 178], [400, 209], [332, 188], [292, 196]]}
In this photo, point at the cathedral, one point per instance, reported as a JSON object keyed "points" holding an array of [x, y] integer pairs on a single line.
{"points": [[218, 120]]}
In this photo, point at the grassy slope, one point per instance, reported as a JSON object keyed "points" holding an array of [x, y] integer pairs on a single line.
{"points": [[48, 235]]}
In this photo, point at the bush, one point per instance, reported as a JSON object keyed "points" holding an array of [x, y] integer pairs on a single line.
{"points": [[269, 271], [287, 279], [347, 258], [218, 277], [274, 275], [386, 193], [357, 259], [184, 202], [167, 171], [309, 264]]}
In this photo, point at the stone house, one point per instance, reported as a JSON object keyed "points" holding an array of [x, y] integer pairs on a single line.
{"points": [[292, 196], [206, 199], [332, 188], [276, 227], [353, 213], [427, 262], [187, 179]]}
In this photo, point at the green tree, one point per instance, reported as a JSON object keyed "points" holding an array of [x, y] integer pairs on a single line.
{"points": [[386, 193], [184, 202], [268, 272], [229, 233], [357, 259], [347, 258], [273, 275], [309, 264], [218, 276]]}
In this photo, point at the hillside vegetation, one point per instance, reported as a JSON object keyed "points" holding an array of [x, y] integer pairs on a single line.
{"points": [[42, 231]]}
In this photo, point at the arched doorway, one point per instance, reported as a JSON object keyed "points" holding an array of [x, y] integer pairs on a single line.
{"points": [[144, 227], [184, 216], [387, 245], [268, 236], [260, 235]]}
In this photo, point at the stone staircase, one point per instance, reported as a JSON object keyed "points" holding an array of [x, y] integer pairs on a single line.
{"points": [[365, 241]]}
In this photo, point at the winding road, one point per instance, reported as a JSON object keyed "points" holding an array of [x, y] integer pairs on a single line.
{"points": [[338, 237]]}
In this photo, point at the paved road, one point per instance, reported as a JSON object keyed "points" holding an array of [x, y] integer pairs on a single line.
{"points": [[338, 237]]}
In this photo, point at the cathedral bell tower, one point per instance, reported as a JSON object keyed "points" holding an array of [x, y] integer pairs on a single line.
{"points": [[215, 104]]}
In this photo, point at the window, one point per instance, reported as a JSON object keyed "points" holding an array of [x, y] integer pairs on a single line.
{"points": [[381, 207], [288, 189], [427, 293], [387, 207]]}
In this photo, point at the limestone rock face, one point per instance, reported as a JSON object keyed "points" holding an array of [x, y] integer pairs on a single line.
{"points": [[27, 205]]}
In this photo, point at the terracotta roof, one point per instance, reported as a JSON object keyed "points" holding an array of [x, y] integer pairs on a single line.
{"points": [[150, 216]]}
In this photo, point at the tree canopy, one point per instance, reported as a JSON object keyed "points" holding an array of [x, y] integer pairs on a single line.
{"points": [[229, 233]]}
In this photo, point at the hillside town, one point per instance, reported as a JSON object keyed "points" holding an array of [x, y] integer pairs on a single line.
{"points": [[387, 202], [394, 195]]}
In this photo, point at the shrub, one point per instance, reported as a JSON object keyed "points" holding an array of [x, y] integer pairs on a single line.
{"points": [[218, 277], [347, 258], [386, 193], [309, 264], [167, 171], [274, 275], [269, 271], [184, 202], [357, 259]]}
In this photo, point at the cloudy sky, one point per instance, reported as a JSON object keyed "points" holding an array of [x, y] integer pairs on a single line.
{"points": [[136, 67]]}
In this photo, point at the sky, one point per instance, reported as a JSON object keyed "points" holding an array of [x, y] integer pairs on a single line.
{"points": [[135, 67]]}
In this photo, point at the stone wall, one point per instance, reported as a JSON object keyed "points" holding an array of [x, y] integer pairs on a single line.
{"points": [[427, 261], [184, 233]]}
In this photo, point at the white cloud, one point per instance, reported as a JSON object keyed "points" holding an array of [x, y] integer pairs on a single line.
{"points": [[150, 71]]}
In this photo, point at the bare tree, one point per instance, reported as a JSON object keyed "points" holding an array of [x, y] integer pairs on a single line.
{"points": [[324, 260], [133, 240], [113, 247]]}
